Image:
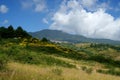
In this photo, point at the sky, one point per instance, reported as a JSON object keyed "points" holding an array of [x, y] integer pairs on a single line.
{"points": [[90, 18]]}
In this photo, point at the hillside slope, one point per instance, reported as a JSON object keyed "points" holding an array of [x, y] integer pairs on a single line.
{"points": [[33, 59], [62, 36]]}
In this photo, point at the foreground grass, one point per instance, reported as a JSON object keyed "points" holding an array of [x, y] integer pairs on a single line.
{"points": [[18, 71]]}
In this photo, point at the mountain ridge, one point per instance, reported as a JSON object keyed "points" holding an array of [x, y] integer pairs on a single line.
{"points": [[63, 36]]}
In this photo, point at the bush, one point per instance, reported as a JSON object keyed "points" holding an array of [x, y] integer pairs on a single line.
{"points": [[44, 39], [110, 71], [87, 70], [3, 61], [105, 60], [84, 68], [113, 72]]}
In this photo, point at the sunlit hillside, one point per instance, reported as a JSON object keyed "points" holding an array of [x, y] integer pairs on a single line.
{"points": [[33, 59]]}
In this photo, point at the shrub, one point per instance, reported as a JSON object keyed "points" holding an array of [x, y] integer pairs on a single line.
{"points": [[48, 60], [87, 70], [44, 39], [3, 61], [110, 71], [83, 68], [105, 60], [100, 71], [113, 72]]}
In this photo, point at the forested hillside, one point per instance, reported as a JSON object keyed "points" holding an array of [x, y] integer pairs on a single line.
{"points": [[10, 32]]}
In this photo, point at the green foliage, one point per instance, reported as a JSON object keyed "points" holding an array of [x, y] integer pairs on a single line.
{"points": [[100, 47], [83, 68], [34, 51], [3, 61], [105, 60], [21, 33], [111, 71], [87, 70], [18, 53], [58, 51], [44, 39], [3, 32], [10, 32], [33, 58], [69, 53]]}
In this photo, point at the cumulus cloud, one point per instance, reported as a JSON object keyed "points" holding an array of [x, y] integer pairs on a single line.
{"points": [[72, 17], [3, 9], [37, 5]]}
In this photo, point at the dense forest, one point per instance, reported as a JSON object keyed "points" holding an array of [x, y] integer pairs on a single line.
{"points": [[10, 32]]}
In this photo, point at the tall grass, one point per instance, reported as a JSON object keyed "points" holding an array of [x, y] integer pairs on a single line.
{"points": [[19, 71]]}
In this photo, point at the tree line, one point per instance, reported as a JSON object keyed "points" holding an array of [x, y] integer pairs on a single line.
{"points": [[10, 32]]}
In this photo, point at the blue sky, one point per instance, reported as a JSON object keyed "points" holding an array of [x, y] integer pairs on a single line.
{"points": [[90, 18], [31, 20]]}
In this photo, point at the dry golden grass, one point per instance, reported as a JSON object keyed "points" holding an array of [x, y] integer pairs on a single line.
{"points": [[34, 72]]}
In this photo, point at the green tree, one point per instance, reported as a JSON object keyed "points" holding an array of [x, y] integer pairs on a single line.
{"points": [[18, 32], [3, 32], [10, 32], [44, 39], [21, 33]]}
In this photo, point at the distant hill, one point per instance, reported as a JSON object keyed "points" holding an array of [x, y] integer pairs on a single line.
{"points": [[62, 36]]}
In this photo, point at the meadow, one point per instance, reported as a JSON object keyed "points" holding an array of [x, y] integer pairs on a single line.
{"points": [[33, 59]]}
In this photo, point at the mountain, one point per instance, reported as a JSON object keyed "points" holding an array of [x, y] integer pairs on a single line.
{"points": [[62, 36]]}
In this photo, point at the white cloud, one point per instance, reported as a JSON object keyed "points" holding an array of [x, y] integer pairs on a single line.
{"points": [[73, 18], [5, 21], [39, 7], [3, 9], [36, 5], [45, 21]]}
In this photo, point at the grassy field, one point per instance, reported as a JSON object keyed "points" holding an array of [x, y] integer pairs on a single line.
{"points": [[32, 59], [18, 71]]}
